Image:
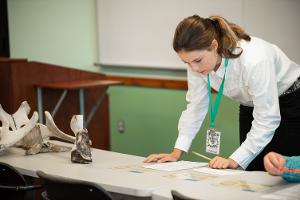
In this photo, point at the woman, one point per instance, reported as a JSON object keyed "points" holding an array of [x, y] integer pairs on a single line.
{"points": [[247, 69], [279, 165]]}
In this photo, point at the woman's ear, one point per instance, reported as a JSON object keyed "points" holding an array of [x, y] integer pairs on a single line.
{"points": [[214, 44]]}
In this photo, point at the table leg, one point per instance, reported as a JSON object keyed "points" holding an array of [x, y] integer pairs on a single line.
{"points": [[62, 97], [40, 104], [95, 108], [81, 104]]}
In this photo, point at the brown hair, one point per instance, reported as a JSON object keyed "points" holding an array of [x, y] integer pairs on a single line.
{"points": [[197, 33]]}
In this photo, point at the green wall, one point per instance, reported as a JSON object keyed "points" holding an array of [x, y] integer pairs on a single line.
{"points": [[151, 116], [63, 32]]}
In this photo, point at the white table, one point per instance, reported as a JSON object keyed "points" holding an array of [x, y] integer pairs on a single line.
{"points": [[103, 170], [122, 174]]}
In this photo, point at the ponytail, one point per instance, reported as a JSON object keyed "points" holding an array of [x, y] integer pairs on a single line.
{"points": [[228, 34]]}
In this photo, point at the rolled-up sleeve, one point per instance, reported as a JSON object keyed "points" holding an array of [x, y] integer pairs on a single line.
{"points": [[261, 81], [192, 117]]}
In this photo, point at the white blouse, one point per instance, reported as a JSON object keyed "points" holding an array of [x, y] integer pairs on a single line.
{"points": [[256, 78]]}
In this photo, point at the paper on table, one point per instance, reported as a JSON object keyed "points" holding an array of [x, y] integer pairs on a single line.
{"points": [[175, 166], [220, 172], [292, 192]]}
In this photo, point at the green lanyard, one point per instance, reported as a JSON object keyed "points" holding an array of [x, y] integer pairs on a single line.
{"points": [[213, 112]]}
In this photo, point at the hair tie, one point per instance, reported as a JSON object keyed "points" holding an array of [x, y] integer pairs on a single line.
{"points": [[214, 23], [211, 21]]}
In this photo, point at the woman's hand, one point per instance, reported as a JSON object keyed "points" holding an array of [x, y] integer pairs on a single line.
{"points": [[273, 163], [222, 163], [164, 157]]}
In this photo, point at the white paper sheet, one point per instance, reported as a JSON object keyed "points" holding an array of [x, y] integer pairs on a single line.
{"points": [[219, 172], [175, 166]]}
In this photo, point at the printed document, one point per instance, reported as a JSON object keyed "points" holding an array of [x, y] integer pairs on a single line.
{"points": [[175, 166]]}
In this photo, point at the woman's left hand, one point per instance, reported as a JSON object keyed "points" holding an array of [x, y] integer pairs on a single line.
{"points": [[223, 163]]}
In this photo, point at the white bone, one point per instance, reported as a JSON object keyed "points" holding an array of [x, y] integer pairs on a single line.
{"points": [[9, 138], [43, 132], [8, 118], [54, 130], [34, 137], [20, 116], [76, 123]]}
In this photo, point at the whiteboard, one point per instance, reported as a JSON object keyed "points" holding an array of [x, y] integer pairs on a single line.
{"points": [[139, 33]]}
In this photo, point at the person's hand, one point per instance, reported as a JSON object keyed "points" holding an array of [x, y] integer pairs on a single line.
{"points": [[164, 157], [223, 163], [273, 163]]}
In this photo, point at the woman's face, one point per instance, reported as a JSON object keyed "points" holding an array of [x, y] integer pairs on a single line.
{"points": [[201, 61]]}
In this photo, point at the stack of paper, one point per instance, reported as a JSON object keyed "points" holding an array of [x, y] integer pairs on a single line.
{"points": [[175, 166], [219, 172]]}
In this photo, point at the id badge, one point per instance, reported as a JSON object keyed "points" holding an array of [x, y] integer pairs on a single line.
{"points": [[213, 139]]}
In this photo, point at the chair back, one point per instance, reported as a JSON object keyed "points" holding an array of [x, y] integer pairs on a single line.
{"points": [[10, 178], [178, 196], [59, 188]]}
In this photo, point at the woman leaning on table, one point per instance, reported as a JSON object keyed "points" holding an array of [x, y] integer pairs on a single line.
{"points": [[253, 72]]}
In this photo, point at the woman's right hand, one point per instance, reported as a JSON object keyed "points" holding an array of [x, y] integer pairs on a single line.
{"points": [[164, 157]]}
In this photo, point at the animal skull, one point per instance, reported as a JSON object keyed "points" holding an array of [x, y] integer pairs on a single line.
{"points": [[18, 130], [13, 127]]}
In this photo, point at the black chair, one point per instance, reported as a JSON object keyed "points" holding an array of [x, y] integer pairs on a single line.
{"points": [[178, 196], [59, 188], [13, 184]]}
